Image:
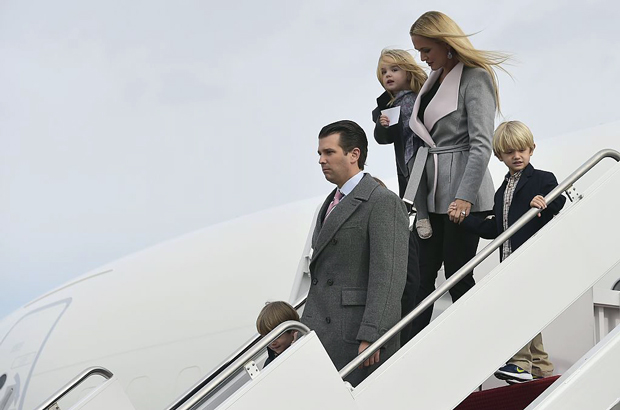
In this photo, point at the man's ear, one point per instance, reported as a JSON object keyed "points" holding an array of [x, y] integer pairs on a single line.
{"points": [[355, 155], [532, 150]]}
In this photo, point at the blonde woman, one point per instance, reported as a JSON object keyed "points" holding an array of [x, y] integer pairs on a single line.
{"points": [[454, 115]]}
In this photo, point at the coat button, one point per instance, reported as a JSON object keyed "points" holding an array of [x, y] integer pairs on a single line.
{"points": [[328, 319], [330, 282], [334, 241], [315, 281]]}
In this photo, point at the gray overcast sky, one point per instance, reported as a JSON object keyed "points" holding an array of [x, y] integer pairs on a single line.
{"points": [[124, 124]]}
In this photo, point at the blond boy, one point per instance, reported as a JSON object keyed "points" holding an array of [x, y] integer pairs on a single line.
{"points": [[523, 188]]}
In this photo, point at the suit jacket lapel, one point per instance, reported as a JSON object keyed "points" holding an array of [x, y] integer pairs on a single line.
{"points": [[527, 173], [341, 213]]}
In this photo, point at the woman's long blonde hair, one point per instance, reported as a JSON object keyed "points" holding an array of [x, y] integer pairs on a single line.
{"points": [[439, 27], [405, 61]]}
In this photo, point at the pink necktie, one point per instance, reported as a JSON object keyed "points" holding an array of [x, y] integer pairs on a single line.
{"points": [[335, 202]]}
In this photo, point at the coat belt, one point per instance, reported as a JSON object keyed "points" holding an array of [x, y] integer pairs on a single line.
{"points": [[415, 174]]}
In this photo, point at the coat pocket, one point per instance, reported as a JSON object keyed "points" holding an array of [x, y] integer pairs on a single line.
{"points": [[353, 304]]}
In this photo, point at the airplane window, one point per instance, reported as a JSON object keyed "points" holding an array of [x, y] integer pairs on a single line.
{"points": [[2, 380], [616, 286]]}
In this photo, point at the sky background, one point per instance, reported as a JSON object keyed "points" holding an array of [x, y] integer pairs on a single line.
{"points": [[124, 124]]}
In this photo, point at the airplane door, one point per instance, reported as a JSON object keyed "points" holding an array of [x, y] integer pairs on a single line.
{"points": [[20, 350]]}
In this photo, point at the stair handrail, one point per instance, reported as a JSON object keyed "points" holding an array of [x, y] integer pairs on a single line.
{"points": [[476, 260], [227, 362], [202, 389], [66, 389]]}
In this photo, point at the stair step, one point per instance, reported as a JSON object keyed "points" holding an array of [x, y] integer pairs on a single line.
{"points": [[513, 397]]}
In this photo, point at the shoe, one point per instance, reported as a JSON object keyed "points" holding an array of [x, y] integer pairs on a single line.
{"points": [[423, 226], [515, 381], [513, 373]]}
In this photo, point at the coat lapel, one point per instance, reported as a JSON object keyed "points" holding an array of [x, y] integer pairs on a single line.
{"points": [[341, 213], [321, 217], [446, 101], [414, 122]]}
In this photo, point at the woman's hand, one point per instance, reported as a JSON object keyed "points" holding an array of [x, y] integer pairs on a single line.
{"points": [[384, 121], [458, 210]]}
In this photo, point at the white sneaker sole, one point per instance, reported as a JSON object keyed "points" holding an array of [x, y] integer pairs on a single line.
{"points": [[519, 377]]}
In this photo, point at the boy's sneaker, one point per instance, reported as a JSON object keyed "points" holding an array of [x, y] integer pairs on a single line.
{"points": [[512, 372], [515, 381]]}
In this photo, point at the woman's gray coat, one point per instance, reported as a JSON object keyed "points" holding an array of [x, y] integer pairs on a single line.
{"points": [[460, 119]]}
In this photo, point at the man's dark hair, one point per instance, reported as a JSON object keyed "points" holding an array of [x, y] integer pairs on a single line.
{"points": [[351, 136]]}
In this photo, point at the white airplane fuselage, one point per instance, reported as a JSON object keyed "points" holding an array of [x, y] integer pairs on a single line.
{"points": [[163, 317]]}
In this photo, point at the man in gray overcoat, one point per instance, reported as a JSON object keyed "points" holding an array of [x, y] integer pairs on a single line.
{"points": [[359, 254]]}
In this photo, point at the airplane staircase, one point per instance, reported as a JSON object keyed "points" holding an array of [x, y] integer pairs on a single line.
{"points": [[461, 348], [470, 340], [443, 364]]}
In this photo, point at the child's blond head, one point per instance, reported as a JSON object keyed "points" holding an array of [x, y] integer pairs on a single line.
{"points": [[273, 314], [512, 135], [404, 60]]}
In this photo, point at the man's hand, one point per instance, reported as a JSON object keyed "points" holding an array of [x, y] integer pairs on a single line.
{"points": [[384, 121], [374, 359], [458, 210], [538, 202]]}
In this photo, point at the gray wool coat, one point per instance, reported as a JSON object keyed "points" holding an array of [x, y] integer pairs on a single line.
{"points": [[458, 128], [358, 269]]}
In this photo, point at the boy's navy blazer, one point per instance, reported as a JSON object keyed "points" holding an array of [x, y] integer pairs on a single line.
{"points": [[532, 182]]}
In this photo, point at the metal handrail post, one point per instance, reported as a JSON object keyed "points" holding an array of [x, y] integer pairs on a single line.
{"points": [[476, 260], [193, 397], [73, 384]]}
